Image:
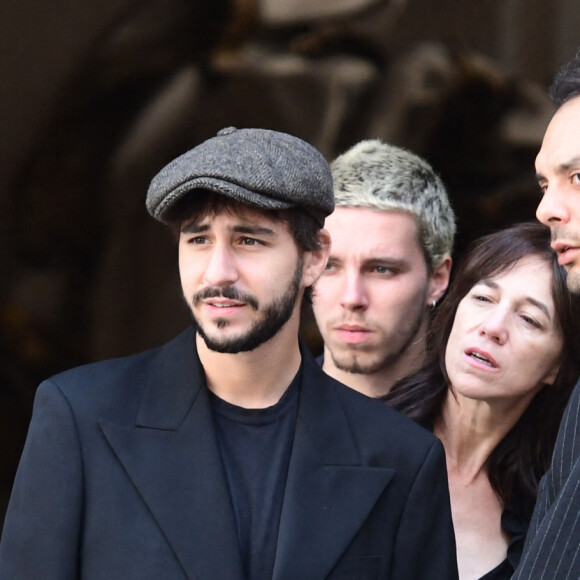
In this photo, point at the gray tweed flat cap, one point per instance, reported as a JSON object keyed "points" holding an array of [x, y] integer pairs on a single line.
{"points": [[263, 168]]}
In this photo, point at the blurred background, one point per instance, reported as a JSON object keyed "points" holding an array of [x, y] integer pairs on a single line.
{"points": [[97, 96]]}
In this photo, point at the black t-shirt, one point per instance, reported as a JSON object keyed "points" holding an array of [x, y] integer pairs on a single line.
{"points": [[255, 446]]}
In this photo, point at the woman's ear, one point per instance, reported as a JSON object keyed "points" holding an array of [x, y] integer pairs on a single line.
{"points": [[315, 260], [551, 377]]}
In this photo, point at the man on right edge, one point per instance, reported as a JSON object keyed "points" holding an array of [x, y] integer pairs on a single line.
{"points": [[553, 544]]}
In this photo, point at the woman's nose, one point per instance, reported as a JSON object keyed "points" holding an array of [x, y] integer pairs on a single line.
{"points": [[494, 327]]}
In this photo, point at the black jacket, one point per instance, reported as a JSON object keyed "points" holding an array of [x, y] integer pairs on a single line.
{"points": [[552, 550], [121, 478]]}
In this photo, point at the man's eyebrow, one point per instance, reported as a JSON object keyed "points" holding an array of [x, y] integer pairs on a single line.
{"points": [[563, 167], [254, 230], [197, 228], [386, 261], [194, 228], [537, 303]]}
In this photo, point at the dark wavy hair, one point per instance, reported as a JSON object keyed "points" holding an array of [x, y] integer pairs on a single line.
{"points": [[520, 459], [302, 226], [566, 83]]}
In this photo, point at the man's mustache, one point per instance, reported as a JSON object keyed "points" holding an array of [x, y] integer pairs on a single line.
{"points": [[229, 292]]}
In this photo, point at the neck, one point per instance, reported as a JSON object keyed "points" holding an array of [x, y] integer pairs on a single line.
{"points": [[380, 382], [470, 430], [255, 379]]}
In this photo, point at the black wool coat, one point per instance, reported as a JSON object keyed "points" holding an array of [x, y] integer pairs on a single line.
{"points": [[121, 478]]}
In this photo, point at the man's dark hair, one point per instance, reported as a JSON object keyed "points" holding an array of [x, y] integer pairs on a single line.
{"points": [[302, 226], [566, 84]]}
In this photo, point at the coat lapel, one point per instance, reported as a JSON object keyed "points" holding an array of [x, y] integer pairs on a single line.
{"points": [[172, 458], [329, 493]]}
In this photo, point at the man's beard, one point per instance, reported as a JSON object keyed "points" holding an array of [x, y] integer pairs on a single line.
{"points": [[274, 316], [564, 232], [573, 281], [355, 362]]}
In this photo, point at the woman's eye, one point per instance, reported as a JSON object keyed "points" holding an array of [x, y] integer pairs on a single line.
{"points": [[531, 321], [481, 298]]}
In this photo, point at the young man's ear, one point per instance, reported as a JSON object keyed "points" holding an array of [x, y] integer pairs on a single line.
{"points": [[439, 280], [315, 260]]}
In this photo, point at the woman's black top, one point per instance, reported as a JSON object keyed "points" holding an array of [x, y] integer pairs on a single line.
{"points": [[515, 522]]}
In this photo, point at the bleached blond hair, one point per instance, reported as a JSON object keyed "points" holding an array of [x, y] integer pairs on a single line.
{"points": [[376, 175]]}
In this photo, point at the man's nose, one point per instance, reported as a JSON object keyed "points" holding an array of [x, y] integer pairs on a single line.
{"points": [[553, 208], [354, 295], [221, 267]]}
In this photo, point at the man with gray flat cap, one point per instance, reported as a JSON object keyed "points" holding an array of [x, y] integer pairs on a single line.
{"points": [[227, 454]]}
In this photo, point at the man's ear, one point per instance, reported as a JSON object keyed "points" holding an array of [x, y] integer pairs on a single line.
{"points": [[439, 280], [315, 260]]}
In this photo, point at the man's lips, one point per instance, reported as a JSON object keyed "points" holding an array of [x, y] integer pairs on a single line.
{"points": [[222, 306], [353, 333], [567, 253]]}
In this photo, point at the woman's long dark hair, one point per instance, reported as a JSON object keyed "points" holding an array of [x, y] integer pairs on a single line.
{"points": [[523, 455]]}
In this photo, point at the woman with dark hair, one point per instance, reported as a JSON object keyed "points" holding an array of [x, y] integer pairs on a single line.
{"points": [[503, 362]]}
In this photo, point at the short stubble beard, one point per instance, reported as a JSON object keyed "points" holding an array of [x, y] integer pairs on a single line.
{"points": [[355, 366], [573, 281]]}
